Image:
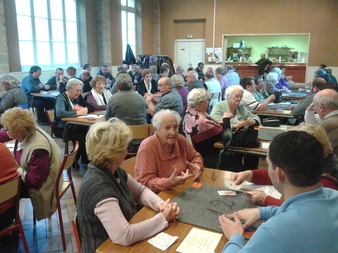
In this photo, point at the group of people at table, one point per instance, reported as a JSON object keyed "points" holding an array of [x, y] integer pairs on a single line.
{"points": [[301, 165]]}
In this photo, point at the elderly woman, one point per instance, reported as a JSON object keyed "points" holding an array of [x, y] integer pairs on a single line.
{"points": [[38, 156], [108, 195], [165, 159], [71, 104], [281, 82], [14, 95], [329, 176], [98, 96], [202, 129], [234, 115], [178, 83], [270, 83]]}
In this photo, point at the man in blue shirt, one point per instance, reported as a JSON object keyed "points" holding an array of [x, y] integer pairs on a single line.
{"points": [[307, 220]]}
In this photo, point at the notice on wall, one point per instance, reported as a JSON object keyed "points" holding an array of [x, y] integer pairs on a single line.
{"points": [[218, 54]]}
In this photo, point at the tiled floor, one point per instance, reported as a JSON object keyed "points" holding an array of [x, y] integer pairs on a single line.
{"points": [[46, 236]]}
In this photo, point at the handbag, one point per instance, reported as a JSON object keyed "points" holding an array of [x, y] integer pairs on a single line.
{"points": [[246, 136]]}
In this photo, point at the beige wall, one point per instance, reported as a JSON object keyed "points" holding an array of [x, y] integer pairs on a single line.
{"points": [[317, 17]]}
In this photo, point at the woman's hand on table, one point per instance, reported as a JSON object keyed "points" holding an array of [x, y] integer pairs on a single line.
{"points": [[230, 227], [195, 170], [177, 180], [257, 197], [240, 177], [171, 211], [82, 111]]}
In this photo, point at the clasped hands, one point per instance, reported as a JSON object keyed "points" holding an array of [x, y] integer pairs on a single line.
{"points": [[80, 110], [149, 97], [170, 211], [180, 179]]}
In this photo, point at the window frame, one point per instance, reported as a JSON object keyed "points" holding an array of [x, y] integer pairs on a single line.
{"points": [[127, 9]]}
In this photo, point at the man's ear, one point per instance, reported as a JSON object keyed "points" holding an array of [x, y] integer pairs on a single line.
{"points": [[280, 174]]}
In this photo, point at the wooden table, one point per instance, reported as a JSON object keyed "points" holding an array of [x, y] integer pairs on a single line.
{"points": [[294, 95], [180, 229], [268, 111], [48, 94], [254, 151], [80, 122]]}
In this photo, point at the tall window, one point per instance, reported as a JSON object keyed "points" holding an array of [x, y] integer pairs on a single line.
{"points": [[48, 34], [128, 26]]}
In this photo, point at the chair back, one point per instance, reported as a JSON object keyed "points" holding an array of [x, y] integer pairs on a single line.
{"points": [[9, 189], [50, 114], [141, 131], [76, 234]]}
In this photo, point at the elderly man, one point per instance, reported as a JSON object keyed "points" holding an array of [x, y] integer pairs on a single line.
{"points": [[14, 95], [86, 66], [307, 220], [86, 79], [192, 80], [231, 75], [58, 81], [31, 84], [170, 98], [107, 75], [299, 109], [220, 75], [126, 104], [325, 105]]}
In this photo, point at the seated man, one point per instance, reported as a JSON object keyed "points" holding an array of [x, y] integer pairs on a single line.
{"points": [[307, 220], [86, 79], [14, 96], [249, 101], [170, 98], [193, 81], [31, 84], [107, 75], [58, 81], [325, 105], [88, 67]]}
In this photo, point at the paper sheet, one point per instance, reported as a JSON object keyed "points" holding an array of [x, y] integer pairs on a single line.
{"points": [[94, 116], [162, 241], [265, 145], [199, 241]]}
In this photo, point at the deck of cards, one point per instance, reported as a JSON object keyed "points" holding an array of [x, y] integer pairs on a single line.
{"points": [[227, 193]]}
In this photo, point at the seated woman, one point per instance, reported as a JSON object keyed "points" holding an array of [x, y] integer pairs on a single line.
{"points": [[38, 156], [203, 130], [147, 85], [271, 81], [249, 100], [71, 104], [233, 116], [98, 96], [7, 171], [178, 83], [108, 195], [281, 84], [329, 169], [165, 159]]}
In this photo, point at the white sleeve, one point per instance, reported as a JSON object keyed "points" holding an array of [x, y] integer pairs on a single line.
{"points": [[120, 231], [311, 118]]}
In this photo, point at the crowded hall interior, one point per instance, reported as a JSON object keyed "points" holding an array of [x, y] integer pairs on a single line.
{"points": [[176, 126]]}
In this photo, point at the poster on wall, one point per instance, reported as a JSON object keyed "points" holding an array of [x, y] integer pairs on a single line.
{"points": [[218, 55]]}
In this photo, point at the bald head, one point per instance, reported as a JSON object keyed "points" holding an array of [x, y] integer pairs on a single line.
{"points": [[327, 101]]}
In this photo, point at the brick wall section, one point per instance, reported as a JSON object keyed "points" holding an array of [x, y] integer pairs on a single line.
{"points": [[104, 32], [4, 60]]}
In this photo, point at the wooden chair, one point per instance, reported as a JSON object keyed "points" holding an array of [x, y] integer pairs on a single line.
{"points": [[140, 132], [128, 165], [10, 192], [67, 163], [50, 118], [76, 234]]}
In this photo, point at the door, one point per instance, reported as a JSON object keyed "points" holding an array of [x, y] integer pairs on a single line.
{"points": [[188, 53]]}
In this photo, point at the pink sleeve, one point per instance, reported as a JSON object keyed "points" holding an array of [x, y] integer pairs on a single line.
{"points": [[91, 100], [38, 169], [146, 172], [143, 195], [120, 230], [261, 177]]}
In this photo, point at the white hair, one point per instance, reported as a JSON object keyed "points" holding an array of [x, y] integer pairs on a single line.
{"points": [[277, 70], [232, 88], [196, 96], [158, 117], [272, 77], [194, 73], [73, 82]]}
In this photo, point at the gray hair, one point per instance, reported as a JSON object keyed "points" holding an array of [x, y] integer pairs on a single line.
{"points": [[196, 96], [327, 97], [209, 74], [73, 82], [119, 68], [177, 81], [194, 73], [158, 117], [220, 70], [153, 69], [272, 77], [229, 67], [10, 79], [277, 70], [124, 81], [232, 88]]}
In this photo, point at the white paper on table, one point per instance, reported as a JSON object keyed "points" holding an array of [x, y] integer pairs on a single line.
{"points": [[268, 189], [265, 145], [281, 127], [94, 116], [162, 241], [199, 241], [287, 111], [10, 146]]}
